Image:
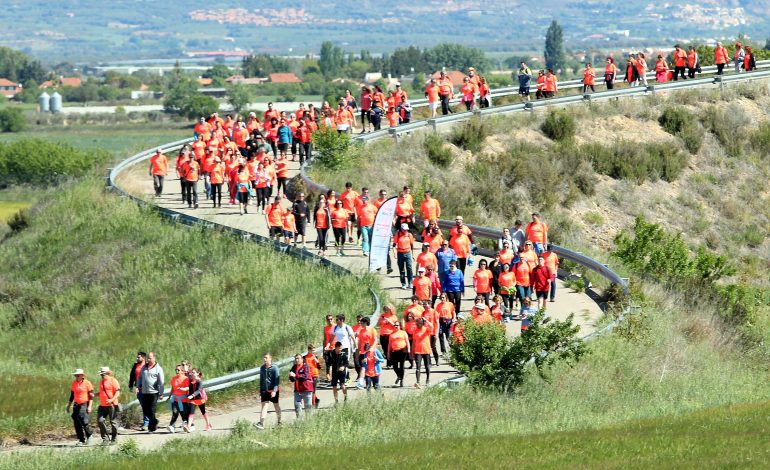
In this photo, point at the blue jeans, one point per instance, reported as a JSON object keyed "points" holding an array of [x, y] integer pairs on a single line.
{"points": [[522, 293], [366, 236], [405, 263], [553, 287], [538, 248], [146, 421]]}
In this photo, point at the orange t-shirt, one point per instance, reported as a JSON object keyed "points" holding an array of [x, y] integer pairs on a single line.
{"points": [[159, 165], [523, 272], [288, 222], [82, 391], [371, 364], [505, 257], [349, 198], [107, 389], [366, 336], [430, 209], [386, 324], [483, 281], [398, 340], [177, 386], [507, 280], [217, 173], [339, 218], [275, 215], [366, 214], [536, 232], [415, 309], [462, 245], [551, 261], [404, 207], [422, 339], [432, 91], [427, 259], [321, 219], [422, 287], [446, 309], [404, 242]]}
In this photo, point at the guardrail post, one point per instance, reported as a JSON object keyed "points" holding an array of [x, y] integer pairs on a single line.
{"points": [[432, 123], [587, 97], [477, 113], [651, 89], [392, 131], [107, 181], [529, 106], [718, 79]]}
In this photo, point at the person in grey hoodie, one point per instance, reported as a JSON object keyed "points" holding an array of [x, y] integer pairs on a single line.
{"points": [[150, 384], [269, 388]]}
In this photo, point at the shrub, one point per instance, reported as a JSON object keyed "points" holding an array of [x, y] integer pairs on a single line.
{"points": [[471, 135], [12, 120], [34, 161], [129, 449], [559, 125], [437, 153], [19, 221], [489, 359], [680, 122], [242, 429], [760, 138], [727, 125], [333, 149], [629, 160]]}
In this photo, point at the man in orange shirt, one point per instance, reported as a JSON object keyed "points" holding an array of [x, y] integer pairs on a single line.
{"points": [[460, 242], [426, 257], [81, 395], [270, 113], [158, 171], [430, 209], [349, 198], [446, 92], [680, 61], [365, 213], [343, 118], [190, 173], [421, 285], [388, 320], [109, 395], [537, 233], [404, 243], [366, 335], [404, 209], [432, 94], [274, 218]]}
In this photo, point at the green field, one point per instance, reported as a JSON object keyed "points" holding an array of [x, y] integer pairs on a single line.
{"points": [[95, 278]]}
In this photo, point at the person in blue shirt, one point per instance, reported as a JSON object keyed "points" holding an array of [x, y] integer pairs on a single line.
{"points": [[454, 287], [444, 256], [284, 137], [376, 114]]}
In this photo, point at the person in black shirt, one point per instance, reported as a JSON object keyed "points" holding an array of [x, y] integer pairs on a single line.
{"points": [[339, 363], [301, 217]]}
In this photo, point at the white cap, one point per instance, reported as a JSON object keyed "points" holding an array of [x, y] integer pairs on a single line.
{"points": [[104, 370], [404, 226], [78, 372], [421, 269], [479, 305]]}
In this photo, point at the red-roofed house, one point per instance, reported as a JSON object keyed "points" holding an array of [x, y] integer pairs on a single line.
{"points": [[8, 88], [205, 81], [73, 82], [284, 78]]}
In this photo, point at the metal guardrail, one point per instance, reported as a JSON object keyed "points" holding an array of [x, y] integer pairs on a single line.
{"points": [[249, 375]]}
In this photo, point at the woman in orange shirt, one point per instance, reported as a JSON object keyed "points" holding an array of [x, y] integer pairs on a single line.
{"points": [[588, 78], [398, 350], [217, 179], [339, 218], [446, 318], [322, 218], [410, 325], [507, 282], [422, 349], [180, 389], [610, 70], [484, 91], [482, 281], [243, 188], [281, 173], [661, 70], [523, 270]]}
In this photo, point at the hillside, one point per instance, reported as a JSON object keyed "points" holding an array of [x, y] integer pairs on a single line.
{"points": [[94, 278], [83, 31]]}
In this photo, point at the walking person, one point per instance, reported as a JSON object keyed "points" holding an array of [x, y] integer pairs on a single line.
{"points": [[180, 389], [243, 189], [398, 350], [446, 318], [191, 171], [404, 244], [303, 385], [151, 383], [371, 362], [269, 389], [109, 406], [81, 396], [749, 62], [541, 283], [339, 222], [158, 171], [432, 94], [322, 222], [197, 397], [422, 350], [315, 370], [455, 285], [692, 62], [720, 58], [589, 77], [133, 376], [661, 70], [216, 180], [524, 77], [339, 363], [641, 68], [680, 61], [446, 92], [610, 71], [365, 215], [738, 57], [552, 262], [301, 217], [388, 320]]}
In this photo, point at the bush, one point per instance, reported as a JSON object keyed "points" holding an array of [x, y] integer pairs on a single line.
{"points": [[681, 123], [242, 429], [760, 139], [489, 359], [12, 120], [629, 160], [727, 126], [129, 449], [332, 149], [559, 125], [34, 161], [471, 135], [437, 153], [19, 221]]}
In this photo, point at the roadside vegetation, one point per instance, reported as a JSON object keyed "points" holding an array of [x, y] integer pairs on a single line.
{"points": [[92, 279]]}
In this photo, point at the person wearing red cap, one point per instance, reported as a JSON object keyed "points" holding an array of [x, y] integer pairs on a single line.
{"points": [[738, 57]]}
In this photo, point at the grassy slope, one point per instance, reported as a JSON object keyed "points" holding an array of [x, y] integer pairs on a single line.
{"points": [[713, 438], [95, 278]]}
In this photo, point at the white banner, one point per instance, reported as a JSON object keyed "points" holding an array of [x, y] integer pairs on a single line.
{"points": [[381, 235]]}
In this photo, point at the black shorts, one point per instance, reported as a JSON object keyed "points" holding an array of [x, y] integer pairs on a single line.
{"points": [[339, 378], [301, 228], [282, 146], [276, 231], [352, 217], [524, 90], [265, 397], [542, 294]]}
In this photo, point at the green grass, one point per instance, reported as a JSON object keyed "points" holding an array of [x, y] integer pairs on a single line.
{"points": [[95, 278], [8, 208]]}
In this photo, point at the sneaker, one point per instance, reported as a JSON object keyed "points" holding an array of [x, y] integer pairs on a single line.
{"points": [[404, 286], [553, 300], [259, 425], [89, 441], [81, 444], [105, 442], [192, 428], [186, 428], [389, 271], [427, 384], [417, 385], [143, 428], [208, 427], [172, 430]]}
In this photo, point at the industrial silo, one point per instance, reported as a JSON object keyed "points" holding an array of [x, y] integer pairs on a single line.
{"points": [[44, 102], [56, 102]]}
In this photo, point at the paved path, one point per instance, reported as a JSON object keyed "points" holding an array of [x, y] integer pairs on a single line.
{"points": [[136, 181]]}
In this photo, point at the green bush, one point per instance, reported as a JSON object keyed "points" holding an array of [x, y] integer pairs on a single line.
{"points": [[35, 161], [727, 126], [760, 139], [490, 360], [559, 125], [19, 221], [629, 160], [437, 153], [333, 149], [12, 120], [471, 135], [680, 122]]}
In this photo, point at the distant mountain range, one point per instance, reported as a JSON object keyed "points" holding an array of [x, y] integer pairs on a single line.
{"points": [[95, 30]]}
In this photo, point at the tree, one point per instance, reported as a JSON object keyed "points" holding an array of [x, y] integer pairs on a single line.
{"points": [[331, 60], [19, 67], [12, 120], [262, 65], [218, 71], [453, 57], [404, 61], [239, 96], [554, 47], [183, 99], [199, 105], [29, 93], [767, 44]]}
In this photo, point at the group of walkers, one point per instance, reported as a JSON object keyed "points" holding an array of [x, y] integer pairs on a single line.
{"points": [[147, 378]]}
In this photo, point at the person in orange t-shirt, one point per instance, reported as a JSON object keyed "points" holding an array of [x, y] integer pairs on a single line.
{"points": [[365, 214], [314, 365], [349, 198], [109, 403], [274, 218], [397, 351], [81, 396], [507, 282], [432, 94], [680, 62], [388, 320], [426, 257], [403, 241], [589, 78], [431, 316], [523, 272], [430, 209], [191, 171], [339, 217], [537, 233], [217, 179], [421, 285], [446, 320], [422, 350], [180, 388], [289, 224], [158, 171], [482, 281], [366, 334]]}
